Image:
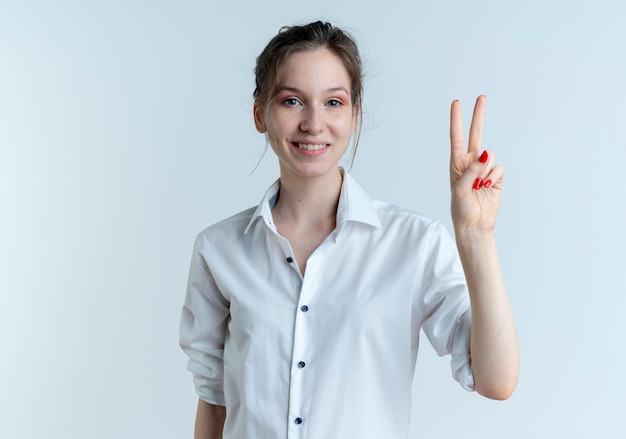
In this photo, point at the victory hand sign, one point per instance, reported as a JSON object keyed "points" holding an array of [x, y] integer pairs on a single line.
{"points": [[476, 187], [476, 182]]}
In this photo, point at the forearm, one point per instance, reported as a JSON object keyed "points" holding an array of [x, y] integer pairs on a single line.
{"points": [[209, 421], [494, 348]]}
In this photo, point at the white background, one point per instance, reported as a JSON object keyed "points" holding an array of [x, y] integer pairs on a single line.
{"points": [[126, 128]]}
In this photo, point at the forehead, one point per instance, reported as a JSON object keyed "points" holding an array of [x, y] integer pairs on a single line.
{"points": [[314, 67]]}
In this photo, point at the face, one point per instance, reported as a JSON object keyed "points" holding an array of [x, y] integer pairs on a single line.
{"points": [[310, 119]]}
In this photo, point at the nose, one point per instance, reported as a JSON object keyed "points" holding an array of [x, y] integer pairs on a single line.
{"points": [[312, 120]]}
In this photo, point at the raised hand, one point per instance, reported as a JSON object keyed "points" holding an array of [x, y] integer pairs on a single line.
{"points": [[475, 180], [476, 188]]}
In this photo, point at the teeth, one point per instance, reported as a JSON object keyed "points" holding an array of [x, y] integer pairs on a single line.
{"points": [[311, 147]]}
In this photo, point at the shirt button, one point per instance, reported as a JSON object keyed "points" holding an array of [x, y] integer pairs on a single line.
{"points": [[304, 308], [289, 259], [301, 364], [298, 421]]}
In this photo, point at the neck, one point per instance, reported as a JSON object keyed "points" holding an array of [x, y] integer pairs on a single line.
{"points": [[308, 201]]}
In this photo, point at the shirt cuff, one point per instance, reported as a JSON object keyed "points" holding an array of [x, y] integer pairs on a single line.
{"points": [[461, 362], [206, 393]]}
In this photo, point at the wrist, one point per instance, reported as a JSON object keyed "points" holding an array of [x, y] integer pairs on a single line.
{"points": [[474, 239]]}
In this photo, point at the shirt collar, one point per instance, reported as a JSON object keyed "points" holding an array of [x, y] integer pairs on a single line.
{"points": [[354, 205]]}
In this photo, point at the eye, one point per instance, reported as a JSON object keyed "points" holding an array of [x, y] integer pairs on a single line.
{"points": [[334, 103], [291, 102]]}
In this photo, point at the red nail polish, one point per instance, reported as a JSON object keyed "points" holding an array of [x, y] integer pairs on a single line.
{"points": [[478, 183], [483, 157], [487, 183]]}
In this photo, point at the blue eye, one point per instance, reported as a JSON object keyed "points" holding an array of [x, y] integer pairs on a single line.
{"points": [[291, 102], [334, 103]]}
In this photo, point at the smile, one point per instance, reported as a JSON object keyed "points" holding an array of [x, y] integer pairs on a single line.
{"points": [[312, 146]]}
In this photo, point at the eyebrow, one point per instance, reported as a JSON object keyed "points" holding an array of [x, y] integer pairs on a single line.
{"points": [[297, 90]]}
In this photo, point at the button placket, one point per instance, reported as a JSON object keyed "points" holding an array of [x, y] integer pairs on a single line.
{"points": [[288, 253], [304, 348], [300, 391]]}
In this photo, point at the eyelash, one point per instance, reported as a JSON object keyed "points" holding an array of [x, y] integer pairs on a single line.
{"points": [[293, 102]]}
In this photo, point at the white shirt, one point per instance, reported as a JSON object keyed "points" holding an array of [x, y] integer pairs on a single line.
{"points": [[331, 354]]}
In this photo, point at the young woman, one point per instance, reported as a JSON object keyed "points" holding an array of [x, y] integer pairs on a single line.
{"points": [[302, 315]]}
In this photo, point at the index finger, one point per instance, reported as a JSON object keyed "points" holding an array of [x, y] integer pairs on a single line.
{"points": [[476, 127], [456, 128]]}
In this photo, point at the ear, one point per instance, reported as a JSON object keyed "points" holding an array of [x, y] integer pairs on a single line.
{"points": [[259, 122]]}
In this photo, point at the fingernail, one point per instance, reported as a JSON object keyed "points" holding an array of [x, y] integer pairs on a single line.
{"points": [[478, 183], [487, 183], [483, 157]]}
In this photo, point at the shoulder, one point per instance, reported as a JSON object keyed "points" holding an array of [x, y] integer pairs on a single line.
{"points": [[234, 225], [390, 214], [413, 228]]}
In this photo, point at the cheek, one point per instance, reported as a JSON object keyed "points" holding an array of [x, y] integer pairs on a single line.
{"points": [[274, 130], [346, 125], [278, 122]]}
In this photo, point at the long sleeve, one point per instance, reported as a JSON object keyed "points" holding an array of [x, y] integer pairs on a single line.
{"points": [[445, 300], [203, 328]]}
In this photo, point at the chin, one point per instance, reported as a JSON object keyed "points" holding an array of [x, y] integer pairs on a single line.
{"points": [[311, 170]]}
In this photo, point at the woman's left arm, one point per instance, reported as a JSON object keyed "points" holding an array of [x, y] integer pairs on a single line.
{"points": [[476, 188]]}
